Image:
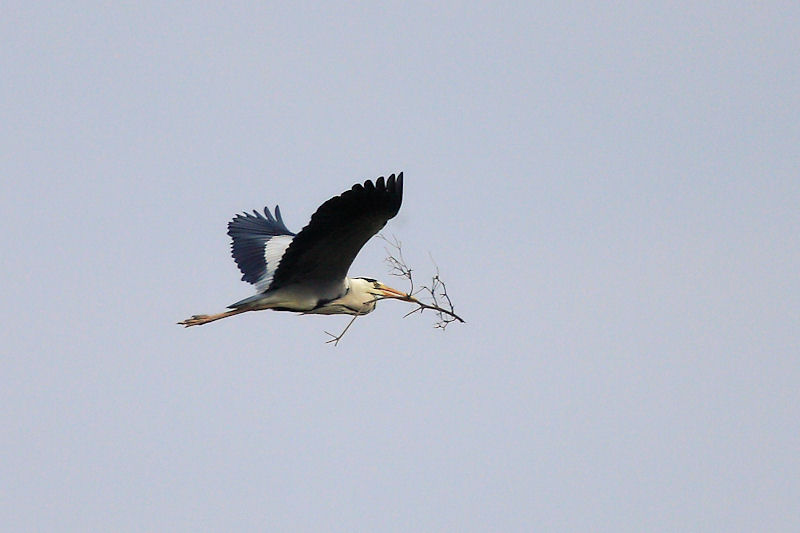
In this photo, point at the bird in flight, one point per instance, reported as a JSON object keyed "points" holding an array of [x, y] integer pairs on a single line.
{"points": [[307, 272]]}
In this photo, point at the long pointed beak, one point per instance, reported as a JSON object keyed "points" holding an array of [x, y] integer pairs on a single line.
{"points": [[389, 292]]}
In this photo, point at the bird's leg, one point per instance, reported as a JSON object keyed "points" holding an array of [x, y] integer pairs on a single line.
{"points": [[199, 320], [335, 340]]}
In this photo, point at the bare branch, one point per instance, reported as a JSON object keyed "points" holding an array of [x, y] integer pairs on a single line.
{"points": [[436, 292], [396, 261]]}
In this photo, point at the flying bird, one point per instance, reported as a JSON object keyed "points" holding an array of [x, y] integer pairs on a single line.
{"points": [[307, 272]]}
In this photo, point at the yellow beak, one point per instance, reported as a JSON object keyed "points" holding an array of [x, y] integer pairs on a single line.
{"points": [[388, 292]]}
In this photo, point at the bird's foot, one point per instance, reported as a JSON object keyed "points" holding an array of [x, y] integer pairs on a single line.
{"points": [[196, 320]]}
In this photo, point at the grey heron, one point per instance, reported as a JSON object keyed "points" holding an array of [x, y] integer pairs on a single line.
{"points": [[307, 272]]}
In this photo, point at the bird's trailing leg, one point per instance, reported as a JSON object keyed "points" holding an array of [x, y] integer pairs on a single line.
{"points": [[199, 320], [336, 338]]}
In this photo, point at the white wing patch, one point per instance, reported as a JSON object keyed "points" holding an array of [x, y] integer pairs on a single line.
{"points": [[273, 252]]}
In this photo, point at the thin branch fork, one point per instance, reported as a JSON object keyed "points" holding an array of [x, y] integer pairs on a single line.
{"points": [[441, 303], [443, 320]]}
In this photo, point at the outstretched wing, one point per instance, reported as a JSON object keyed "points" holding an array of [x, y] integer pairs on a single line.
{"points": [[258, 243], [327, 246]]}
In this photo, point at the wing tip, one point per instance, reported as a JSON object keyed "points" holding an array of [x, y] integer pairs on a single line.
{"points": [[395, 184], [392, 184]]}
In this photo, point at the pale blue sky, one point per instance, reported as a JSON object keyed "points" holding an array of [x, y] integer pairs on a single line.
{"points": [[611, 192]]}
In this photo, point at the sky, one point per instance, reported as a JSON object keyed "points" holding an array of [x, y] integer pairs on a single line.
{"points": [[611, 192]]}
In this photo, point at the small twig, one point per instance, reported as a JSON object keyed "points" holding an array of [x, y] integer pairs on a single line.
{"points": [[443, 320], [397, 265], [437, 291]]}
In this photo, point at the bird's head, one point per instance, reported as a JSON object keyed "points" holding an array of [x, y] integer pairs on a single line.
{"points": [[377, 289]]}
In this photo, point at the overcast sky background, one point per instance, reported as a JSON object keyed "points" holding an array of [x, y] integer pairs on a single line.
{"points": [[612, 194]]}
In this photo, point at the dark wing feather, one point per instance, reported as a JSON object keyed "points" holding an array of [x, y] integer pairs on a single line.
{"points": [[250, 235], [327, 246]]}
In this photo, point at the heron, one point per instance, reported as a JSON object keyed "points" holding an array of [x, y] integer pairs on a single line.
{"points": [[307, 272]]}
